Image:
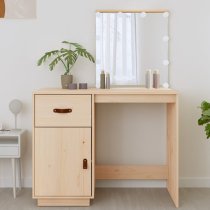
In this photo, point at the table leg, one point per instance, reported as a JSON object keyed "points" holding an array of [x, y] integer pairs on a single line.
{"points": [[173, 160], [14, 176], [19, 173]]}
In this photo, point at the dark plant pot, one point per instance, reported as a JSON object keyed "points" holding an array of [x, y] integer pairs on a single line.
{"points": [[66, 80]]}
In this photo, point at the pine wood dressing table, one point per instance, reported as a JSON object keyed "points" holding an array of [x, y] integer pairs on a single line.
{"points": [[64, 170]]}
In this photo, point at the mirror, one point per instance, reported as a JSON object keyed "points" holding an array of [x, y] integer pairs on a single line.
{"points": [[129, 43]]}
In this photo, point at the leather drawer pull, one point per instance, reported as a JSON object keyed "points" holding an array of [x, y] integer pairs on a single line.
{"points": [[85, 164], [62, 111]]}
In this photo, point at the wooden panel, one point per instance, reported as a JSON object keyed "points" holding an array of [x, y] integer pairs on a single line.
{"points": [[134, 98], [173, 158], [33, 144], [63, 202], [59, 154], [112, 91], [131, 172], [80, 115], [131, 11], [93, 147], [2, 8]]}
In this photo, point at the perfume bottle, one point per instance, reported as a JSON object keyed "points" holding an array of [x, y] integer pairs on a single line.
{"points": [[156, 79], [102, 80], [149, 79], [107, 80]]}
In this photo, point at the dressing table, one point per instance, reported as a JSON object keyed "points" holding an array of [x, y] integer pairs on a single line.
{"points": [[64, 169]]}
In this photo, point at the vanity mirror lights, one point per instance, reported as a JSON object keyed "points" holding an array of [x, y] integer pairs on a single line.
{"points": [[130, 42]]}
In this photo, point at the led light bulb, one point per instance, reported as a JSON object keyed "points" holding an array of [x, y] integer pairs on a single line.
{"points": [[143, 14], [165, 85], [165, 38], [165, 62], [165, 14]]}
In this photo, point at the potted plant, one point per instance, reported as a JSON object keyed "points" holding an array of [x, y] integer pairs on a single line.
{"points": [[205, 117], [68, 57]]}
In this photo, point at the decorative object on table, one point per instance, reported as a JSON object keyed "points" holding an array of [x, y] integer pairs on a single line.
{"points": [[149, 79], [83, 86], [102, 80], [15, 107], [66, 80], [73, 86], [17, 9], [165, 85], [156, 79], [107, 80], [205, 117], [67, 57]]}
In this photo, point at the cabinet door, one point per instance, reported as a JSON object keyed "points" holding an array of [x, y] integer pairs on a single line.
{"points": [[58, 162]]}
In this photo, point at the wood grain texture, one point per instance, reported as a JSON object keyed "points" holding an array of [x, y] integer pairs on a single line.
{"points": [[121, 95], [131, 172], [95, 91], [79, 117], [63, 202], [93, 153], [137, 98], [173, 152], [2, 8], [133, 11], [59, 154]]}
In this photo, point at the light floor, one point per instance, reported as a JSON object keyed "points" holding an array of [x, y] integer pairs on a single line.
{"points": [[114, 199]]}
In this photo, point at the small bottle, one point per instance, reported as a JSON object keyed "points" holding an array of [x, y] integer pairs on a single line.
{"points": [[102, 80], [148, 79], [107, 80], [156, 79]]}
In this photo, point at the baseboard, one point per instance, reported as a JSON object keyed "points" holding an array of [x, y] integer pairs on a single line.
{"points": [[195, 182], [203, 182], [7, 182]]}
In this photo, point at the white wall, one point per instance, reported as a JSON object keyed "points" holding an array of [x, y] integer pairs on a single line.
{"points": [[22, 42]]}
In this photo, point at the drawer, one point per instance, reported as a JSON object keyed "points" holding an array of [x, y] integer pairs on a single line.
{"points": [[62, 110], [9, 151]]}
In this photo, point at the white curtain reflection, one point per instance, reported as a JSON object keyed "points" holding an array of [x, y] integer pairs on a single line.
{"points": [[116, 42]]}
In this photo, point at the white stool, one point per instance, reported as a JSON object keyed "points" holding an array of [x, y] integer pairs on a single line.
{"points": [[10, 147]]}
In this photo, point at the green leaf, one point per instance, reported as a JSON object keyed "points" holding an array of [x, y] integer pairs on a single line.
{"points": [[46, 56], [85, 53], [205, 106], [53, 63], [206, 112], [73, 44], [207, 129], [67, 57], [203, 120]]}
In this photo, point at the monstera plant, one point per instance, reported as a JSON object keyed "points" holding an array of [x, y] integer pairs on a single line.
{"points": [[205, 117], [67, 57]]}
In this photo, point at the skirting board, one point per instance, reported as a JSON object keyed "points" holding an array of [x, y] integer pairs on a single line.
{"points": [[195, 182], [7, 182]]}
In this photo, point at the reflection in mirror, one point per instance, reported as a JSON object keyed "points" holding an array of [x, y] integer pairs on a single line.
{"points": [[127, 44]]}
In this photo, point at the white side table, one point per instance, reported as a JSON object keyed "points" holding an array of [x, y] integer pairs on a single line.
{"points": [[11, 144]]}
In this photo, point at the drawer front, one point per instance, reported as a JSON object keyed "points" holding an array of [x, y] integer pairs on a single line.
{"points": [[62, 110], [9, 151]]}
